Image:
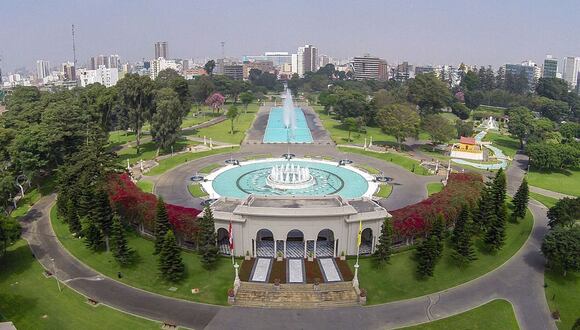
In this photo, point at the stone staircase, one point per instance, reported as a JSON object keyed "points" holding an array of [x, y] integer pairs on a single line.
{"points": [[296, 295]]}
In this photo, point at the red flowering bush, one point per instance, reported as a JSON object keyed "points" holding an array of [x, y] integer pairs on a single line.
{"points": [[139, 207], [415, 220]]}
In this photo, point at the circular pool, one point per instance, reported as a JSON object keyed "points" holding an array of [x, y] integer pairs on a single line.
{"points": [[255, 178]]}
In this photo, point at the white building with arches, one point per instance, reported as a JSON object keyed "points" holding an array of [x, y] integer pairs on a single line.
{"points": [[297, 227]]}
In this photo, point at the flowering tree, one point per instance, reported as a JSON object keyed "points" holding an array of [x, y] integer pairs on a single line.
{"points": [[215, 101]]}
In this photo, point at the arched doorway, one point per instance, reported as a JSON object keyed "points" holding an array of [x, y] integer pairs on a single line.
{"points": [[366, 241], [295, 244], [264, 243], [325, 243], [223, 240]]}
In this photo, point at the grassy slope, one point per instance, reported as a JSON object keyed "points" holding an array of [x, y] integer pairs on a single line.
{"points": [[562, 295], [169, 163], [496, 314], [145, 185], [33, 301], [399, 159], [196, 191], [213, 285], [434, 187], [221, 132], [506, 143], [398, 280], [384, 191], [547, 201], [564, 181]]}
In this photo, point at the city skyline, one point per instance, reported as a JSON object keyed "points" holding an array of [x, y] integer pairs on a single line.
{"points": [[448, 32]]}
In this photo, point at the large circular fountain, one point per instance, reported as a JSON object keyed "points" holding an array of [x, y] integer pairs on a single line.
{"points": [[298, 177]]}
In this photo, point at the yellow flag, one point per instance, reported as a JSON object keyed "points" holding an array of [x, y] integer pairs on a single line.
{"points": [[359, 238]]}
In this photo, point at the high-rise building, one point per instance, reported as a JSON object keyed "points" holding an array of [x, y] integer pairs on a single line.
{"points": [[570, 71], [307, 59], [278, 59], [102, 75], [161, 49], [69, 71], [367, 67], [161, 64], [42, 69], [528, 68], [114, 62], [550, 67], [234, 71]]}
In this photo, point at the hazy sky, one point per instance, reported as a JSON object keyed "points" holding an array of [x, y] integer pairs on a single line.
{"points": [[421, 32]]}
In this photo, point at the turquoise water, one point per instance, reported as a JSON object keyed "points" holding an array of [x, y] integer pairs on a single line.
{"points": [[251, 179], [276, 132]]}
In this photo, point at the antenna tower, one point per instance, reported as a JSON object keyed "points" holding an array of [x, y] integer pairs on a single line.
{"points": [[223, 43], [74, 46]]}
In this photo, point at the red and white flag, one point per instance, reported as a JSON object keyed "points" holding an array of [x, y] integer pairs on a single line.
{"points": [[231, 237]]}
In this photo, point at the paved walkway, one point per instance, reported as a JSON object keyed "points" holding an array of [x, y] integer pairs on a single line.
{"points": [[549, 193]]}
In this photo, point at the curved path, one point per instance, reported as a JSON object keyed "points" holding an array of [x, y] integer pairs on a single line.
{"points": [[519, 280]]}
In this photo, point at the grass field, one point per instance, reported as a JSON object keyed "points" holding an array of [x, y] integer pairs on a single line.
{"points": [[434, 187], [195, 118], [399, 159], [148, 151], [547, 201], [117, 138], [506, 143], [496, 314], [562, 294], [384, 191], [169, 163], [213, 285], [563, 181], [368, 169], [32, 301], [221, 132], [196, 191], [398, 279], [145, 185]]}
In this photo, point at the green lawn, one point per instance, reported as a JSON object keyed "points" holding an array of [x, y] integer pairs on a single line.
{"points": [[117, 138], [384, 191], [209, 168], [368, 169], [398, 280], [434, 187], [563, 181], [148, 151], [196, 191], [195, 118], [169, 163], [562, 295], [221, 132], [496, 314], [213, 285], [547, 201], [399, 159], [145, 185], [505, 143], [32, 301]]}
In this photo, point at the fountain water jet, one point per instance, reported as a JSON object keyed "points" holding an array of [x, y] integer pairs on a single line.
{"points": [[290, 176], [289, 112]]}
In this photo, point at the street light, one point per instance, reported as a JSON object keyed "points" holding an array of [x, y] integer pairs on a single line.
{"points": [[54, 274]]}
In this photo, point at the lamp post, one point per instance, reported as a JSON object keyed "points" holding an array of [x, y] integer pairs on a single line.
{"points": [[54, 274]]}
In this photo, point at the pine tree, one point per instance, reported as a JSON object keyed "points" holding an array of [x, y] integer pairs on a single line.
{"points": [[463, 250], [207, 239], [520, 201], [85, 200], [121, 251], [499, 188], [485, 210], [74, 223], [383, 251], [170, 263], [438, 232], [426, 256], [102, 214], [93, 236], [495, 236], [161, 225]]}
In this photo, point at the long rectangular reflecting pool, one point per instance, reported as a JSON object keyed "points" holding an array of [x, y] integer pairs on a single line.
{"points": [[276, 132]]}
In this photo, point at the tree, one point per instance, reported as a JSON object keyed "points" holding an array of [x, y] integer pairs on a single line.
{"points": [[232, 114], [246, 98], [565, 213], [485, 214], [552, 88], [426, 256], [399, 120], [352, 104], [438, 231], [74, 223], [470, 81], [169, 78], [215, 101], [460, 110], [383, 251], [200, 89], [166, 122], [327, 100], [463, 251], [350, 124], [561, 247], [121, 251], [93, 236], [101, 214], [439, 128], [136, 94], [9, 231], [207, 239], [162, 225], [209, 66], [473, 99], [520, 201], [521, 119], [429, 93], [171, 265], [495, 235], [463, 128]]}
